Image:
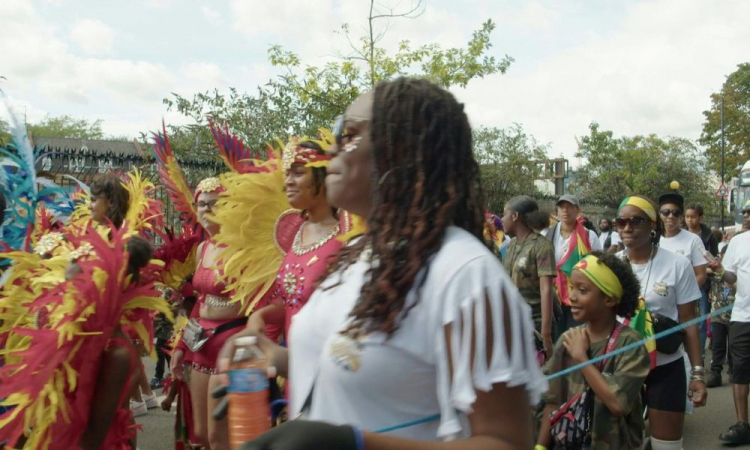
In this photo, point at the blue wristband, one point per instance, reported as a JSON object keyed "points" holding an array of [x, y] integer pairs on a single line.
{"points": [[359, 439]]}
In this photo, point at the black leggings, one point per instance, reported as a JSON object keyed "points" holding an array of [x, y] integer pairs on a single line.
{"points": [[719, 348]]}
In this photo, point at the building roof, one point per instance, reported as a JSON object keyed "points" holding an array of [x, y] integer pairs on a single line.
{"points": [[95, 146]]}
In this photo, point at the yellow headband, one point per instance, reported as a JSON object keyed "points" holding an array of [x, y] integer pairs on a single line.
{"points": [[642, 204], [601, 275]]}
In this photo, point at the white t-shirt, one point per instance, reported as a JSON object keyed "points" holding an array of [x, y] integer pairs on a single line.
{"points": [[686, 244], [737, 261], [561, 244], [666, 281], [615, 238], [373, 383]]}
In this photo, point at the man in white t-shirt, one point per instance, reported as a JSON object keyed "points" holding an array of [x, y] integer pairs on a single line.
{"points": [[568, 211], [736, 267], [609, 238]]}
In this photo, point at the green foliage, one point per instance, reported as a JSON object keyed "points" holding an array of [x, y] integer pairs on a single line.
{"points": [[322, 93], [66, 126], [509, 161], [253, 118], [5, 136], [304, 98], [618, 167], [736, 94]]}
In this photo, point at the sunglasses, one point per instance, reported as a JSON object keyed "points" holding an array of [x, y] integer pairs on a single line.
{"points": [[673, 212], [209, 205], [746, 212], [634, 222]]}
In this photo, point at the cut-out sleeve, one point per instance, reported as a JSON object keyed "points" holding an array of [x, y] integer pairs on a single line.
{"points": [[490, 340]]}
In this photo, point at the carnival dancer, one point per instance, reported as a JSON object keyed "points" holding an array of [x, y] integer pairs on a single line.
{"points": [[231, 274], [112, 202], [315, 242], [603, 287], [68, 380], [495, 234], [398, 330], [218, 319], [669, 291]]}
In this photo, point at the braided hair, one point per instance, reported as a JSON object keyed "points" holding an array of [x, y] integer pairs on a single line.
{"points": [[425, 179]]}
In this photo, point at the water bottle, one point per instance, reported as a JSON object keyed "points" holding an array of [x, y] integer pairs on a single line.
{"points": [[249, 410]]}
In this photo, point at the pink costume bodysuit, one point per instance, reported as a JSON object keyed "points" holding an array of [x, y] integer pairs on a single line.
{"points": [[297, 278], [210, 290]]}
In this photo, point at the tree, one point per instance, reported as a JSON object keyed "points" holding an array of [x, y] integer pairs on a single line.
{"points": [[509, 161], [5, 137], [736, 95], [618, 167], [253, 118], [66, 126], [322, 93], [304, 98]]}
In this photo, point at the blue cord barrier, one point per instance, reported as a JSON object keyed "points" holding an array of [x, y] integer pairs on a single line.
{"points": [[580, 366]]}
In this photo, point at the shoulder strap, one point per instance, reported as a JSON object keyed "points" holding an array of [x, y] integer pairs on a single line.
{"points": [[551, 233], [610, 345]]}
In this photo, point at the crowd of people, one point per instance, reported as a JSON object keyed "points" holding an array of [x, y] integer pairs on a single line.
{"points": [[396, 312]]}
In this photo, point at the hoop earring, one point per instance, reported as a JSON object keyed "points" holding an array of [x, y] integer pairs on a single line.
{"points": [[653, 234]]}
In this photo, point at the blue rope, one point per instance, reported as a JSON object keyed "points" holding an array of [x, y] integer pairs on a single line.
{"points": [[427, 419], [637, 344], [580, 366]]}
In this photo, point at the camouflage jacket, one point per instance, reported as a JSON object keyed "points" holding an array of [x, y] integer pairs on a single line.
{"points": [[625, 374], [526, 263], [721, 295]]}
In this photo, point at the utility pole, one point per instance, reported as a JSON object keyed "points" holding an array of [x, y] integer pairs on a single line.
{"points": [[722, 162]]}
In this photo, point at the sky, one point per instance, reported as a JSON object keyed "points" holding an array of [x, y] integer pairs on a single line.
{"points": [[635, 67]]}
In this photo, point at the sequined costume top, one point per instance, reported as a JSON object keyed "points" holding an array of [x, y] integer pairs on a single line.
{"points": [[298, 276], [206, 281]]}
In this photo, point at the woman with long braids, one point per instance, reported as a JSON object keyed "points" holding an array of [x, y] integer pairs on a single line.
{"points": [[530, 262], [417, 326], [670, 290]]}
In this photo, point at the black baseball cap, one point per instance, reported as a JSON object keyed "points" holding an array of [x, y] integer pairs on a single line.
{"points": [[673, 198]]}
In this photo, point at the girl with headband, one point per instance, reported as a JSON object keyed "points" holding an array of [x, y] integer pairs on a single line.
{"points": [[602, 288], [669, 290]]}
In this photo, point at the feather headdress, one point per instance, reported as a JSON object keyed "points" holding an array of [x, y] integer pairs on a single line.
{"points": [[25, 192], [248, 212], [50, 374], [173, 177]]}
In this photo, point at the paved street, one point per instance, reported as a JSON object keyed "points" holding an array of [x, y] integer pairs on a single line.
{"points": [[702, 428]]}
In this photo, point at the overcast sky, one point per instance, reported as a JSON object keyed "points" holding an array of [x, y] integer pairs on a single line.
{"points": [[636, 67]]}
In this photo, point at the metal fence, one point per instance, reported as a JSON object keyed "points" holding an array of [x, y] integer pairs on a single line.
{"points": [[86, 166]]}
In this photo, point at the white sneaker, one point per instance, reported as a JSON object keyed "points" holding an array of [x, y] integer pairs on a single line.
{"points": [[151, 401], [138, 408]]}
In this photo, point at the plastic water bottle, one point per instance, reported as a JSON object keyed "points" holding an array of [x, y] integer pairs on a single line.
{"points": [[249, 410]]}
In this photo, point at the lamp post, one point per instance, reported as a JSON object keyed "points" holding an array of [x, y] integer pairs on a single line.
{"points": [[722, 162]]}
